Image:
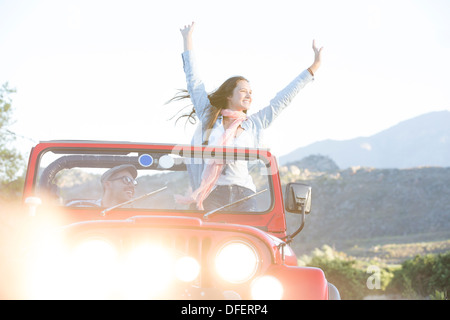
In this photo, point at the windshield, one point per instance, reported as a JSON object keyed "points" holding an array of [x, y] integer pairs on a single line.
{"points": [[105, 178]]}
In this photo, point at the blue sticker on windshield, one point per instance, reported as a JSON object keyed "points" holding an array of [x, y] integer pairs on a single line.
{"points": [[145, 160]]}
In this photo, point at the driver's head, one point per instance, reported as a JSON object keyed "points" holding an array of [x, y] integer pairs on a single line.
{"points": [[118, 184]]}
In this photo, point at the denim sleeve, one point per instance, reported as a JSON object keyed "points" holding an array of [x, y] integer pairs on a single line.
{"points": [[264, 117], [195, 86]]}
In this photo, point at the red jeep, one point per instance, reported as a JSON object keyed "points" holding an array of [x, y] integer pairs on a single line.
{"points": [[151, 246]]}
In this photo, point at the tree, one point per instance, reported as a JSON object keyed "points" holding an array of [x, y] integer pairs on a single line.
{"points": [[11, 161]]}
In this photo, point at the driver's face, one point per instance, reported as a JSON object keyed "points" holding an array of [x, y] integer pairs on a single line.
{"points": [[119, 188]]}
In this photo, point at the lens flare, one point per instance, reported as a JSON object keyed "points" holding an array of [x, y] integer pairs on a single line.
{"points": [[148, 272]]}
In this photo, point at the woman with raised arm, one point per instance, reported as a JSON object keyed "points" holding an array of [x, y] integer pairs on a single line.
{"points": [[224, 122]]}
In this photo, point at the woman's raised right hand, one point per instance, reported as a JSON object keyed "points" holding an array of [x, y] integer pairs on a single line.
{"points": [[187, 30]]}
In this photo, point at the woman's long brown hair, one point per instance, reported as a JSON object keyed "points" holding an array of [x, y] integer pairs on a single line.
{"points": [[218, 100]]}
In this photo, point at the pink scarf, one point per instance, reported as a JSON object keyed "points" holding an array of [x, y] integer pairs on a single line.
{"points": [[214, 168]]}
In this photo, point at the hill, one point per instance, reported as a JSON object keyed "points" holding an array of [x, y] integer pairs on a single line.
{"points": [[372, 212], [421, 141]]}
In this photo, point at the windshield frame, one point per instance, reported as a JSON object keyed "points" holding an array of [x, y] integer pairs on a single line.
{"points": [[108, 149]]}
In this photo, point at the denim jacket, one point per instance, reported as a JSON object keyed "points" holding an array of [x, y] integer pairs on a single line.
{"points": [[255, 123]]}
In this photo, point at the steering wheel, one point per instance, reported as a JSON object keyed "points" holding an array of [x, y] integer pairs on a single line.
{"points": [[82, 203]]}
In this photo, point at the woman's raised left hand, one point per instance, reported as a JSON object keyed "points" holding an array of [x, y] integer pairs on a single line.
{"points": [[317, 57]]}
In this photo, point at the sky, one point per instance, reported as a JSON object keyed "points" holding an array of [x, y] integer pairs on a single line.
{"points": [[104, 69]]}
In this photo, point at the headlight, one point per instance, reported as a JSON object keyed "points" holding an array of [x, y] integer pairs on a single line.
{"points": [[267, 288], [91, 267], [187, 269], [236, 262], [148, 269]]}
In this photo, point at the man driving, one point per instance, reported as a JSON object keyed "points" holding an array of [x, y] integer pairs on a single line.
{"points": [[118, 185]]}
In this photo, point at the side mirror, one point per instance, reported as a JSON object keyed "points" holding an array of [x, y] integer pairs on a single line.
{"points": [[298, 198]]}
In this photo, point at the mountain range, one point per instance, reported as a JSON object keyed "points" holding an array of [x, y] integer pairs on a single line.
{"points": [[417, 142]]}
